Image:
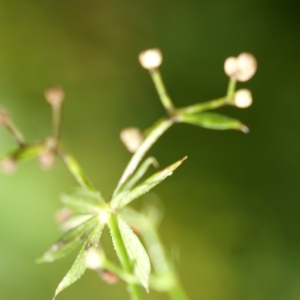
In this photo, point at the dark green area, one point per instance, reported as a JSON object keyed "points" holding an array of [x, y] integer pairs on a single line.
{"points": [[232, 210]]}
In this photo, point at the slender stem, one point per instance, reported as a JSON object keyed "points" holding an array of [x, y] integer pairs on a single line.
{"points": [[139, 173], [56, 120], [75, 169], [14, 131], [155, 132], [161, 90], [231, 89], [123, 256], [127, 277], [196, 108], [213, 104]]}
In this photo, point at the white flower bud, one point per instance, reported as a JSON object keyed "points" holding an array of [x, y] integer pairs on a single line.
{"points": [[8, 165], [131, 138], [231, 66], [247, 66], [150, 59], [55, 96], [46, 159], [242, 98], [93, 259]]}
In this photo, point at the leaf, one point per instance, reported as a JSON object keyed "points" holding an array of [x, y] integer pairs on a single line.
{"points": [[68, 242], [126, 197], [25, 153], [136, 252], [213, 121], [83, 201], [78, 268], [140, 172]]}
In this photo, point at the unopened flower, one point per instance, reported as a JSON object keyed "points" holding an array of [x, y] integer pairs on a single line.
{"points": [[108, 276], [46, 159], [150, 59], [242, 98], [131, 138], [8, 165], [55, 96], [93, 259], [246, 67], [242, 67], [231, 66]]}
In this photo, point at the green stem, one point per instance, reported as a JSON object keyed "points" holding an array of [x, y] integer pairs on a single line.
{"points": [[123, 256], [15, 132], [231, 89], [56, 120], [196, 108], [155, 132], [161, 90], [75, 169]]}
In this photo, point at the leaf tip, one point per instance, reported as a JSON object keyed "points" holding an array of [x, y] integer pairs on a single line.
{"points": [[244, 129]]}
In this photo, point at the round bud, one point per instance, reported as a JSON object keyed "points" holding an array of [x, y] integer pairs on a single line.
{"points": [[63, 215], [55, 96], [242, 98], [108, 276], [46, 159], [93, 259], [131, 138], [8, 165], [230, 66], [246, 67], [150, 59]]}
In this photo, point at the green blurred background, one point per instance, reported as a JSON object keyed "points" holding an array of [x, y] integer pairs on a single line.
{"points": [[231, 211]]}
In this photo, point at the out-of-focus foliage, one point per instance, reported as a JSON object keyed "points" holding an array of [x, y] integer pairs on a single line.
{"points": [[232, 210]]}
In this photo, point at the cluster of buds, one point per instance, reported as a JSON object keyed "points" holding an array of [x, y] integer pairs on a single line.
{"points": [[242, 68], [46, 152]]}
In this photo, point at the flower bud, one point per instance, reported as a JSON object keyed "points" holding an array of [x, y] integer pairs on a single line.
{"points": [[150, 59], [8, 165], [131, 138], [108, 276], [46, 159], [3, 118], [55, 96], [231, 66], [93, 259], [242, 98], [246, 67]]}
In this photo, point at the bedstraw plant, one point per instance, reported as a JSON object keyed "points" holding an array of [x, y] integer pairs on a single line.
{"points": [[144, 264]]}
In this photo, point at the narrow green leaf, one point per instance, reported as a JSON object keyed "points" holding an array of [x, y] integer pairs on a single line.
{"points": [[24, 153], [68, 242], [136, 252], [213, 121], [139, 173], [78, 268], [126, 197], [83, 201]]}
